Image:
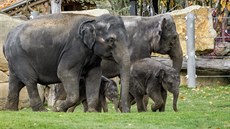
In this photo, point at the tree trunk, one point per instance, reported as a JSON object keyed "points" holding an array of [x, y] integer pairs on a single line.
{"points": [[155, 6], [133, 7], [141, 8], [186, 3], [167, 5], [56, 6]]}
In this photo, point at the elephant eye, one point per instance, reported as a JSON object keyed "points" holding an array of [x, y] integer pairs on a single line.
{"points": [[110, 40], [160, 32], [171, 45], [174, 37]]}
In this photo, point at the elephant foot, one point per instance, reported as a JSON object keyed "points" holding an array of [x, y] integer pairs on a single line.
{"points": [[58, 106], [39, 108], [105, 110], [162, 109], [11, 107], [154, 107], [125, 109], [92, 110], [57, 109], [71, 109], [43, 109], [141, 110], [175, 109]]}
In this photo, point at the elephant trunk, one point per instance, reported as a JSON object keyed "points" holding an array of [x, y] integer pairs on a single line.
{"points": [[176, 55], [175, 98], [122, 57], [125, 76], [116, 103]]}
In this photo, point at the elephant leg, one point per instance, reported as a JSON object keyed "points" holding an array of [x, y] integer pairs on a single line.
{"points": [[72, 96], [164, 97], [35, 100], [103, 103], [99, 107], [71, 109], [85, 105], [70, 82], [116, 104], [158, 100], [131, 101], [92, 83], [15, 87], [140, 104], [83, 101], [146, 100]]}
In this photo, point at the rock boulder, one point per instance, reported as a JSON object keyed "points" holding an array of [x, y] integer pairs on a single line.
{"points": [[3, 77], [204, 31], [23, 99], [6, 24], [92, 12]]}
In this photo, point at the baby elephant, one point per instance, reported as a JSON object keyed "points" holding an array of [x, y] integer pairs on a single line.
{"points": [[108, 90], [151, 77]]}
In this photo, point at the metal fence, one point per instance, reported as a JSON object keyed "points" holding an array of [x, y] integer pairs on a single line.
{"points": [[223, 36]]}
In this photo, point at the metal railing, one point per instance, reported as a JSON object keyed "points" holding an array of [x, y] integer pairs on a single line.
{"points": [[190, 40]]}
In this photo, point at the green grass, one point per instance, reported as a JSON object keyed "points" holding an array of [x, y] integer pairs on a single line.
{"points": [[201, 108]]}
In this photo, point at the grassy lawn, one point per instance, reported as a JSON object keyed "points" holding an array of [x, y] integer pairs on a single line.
{"points": [[201, 108]]}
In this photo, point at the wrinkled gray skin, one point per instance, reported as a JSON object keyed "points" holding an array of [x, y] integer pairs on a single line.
{"points": [[149, 34], [151, 77], [62, 48], [108, 89]]}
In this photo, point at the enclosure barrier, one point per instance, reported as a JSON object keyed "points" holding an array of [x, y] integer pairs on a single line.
{"points": [[190, 40], [190, 45]]}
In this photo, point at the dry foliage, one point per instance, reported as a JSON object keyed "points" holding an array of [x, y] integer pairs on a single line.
{"points": [[6, 3]]}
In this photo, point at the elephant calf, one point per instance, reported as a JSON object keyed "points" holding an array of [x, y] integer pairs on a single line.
{"points": [[151, 77], [108, 89]]}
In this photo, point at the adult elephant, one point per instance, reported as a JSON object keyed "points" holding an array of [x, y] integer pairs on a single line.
{"points": [[149, 34], [62, 48]]}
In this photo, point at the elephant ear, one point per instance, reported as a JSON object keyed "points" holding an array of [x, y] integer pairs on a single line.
{"points": [[162, 23], [87, 33], [160, 75], [160, 29], [156, 34], [162, 78]]}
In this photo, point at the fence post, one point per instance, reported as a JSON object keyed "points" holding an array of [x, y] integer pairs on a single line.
{"points": [[191, 64]]}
